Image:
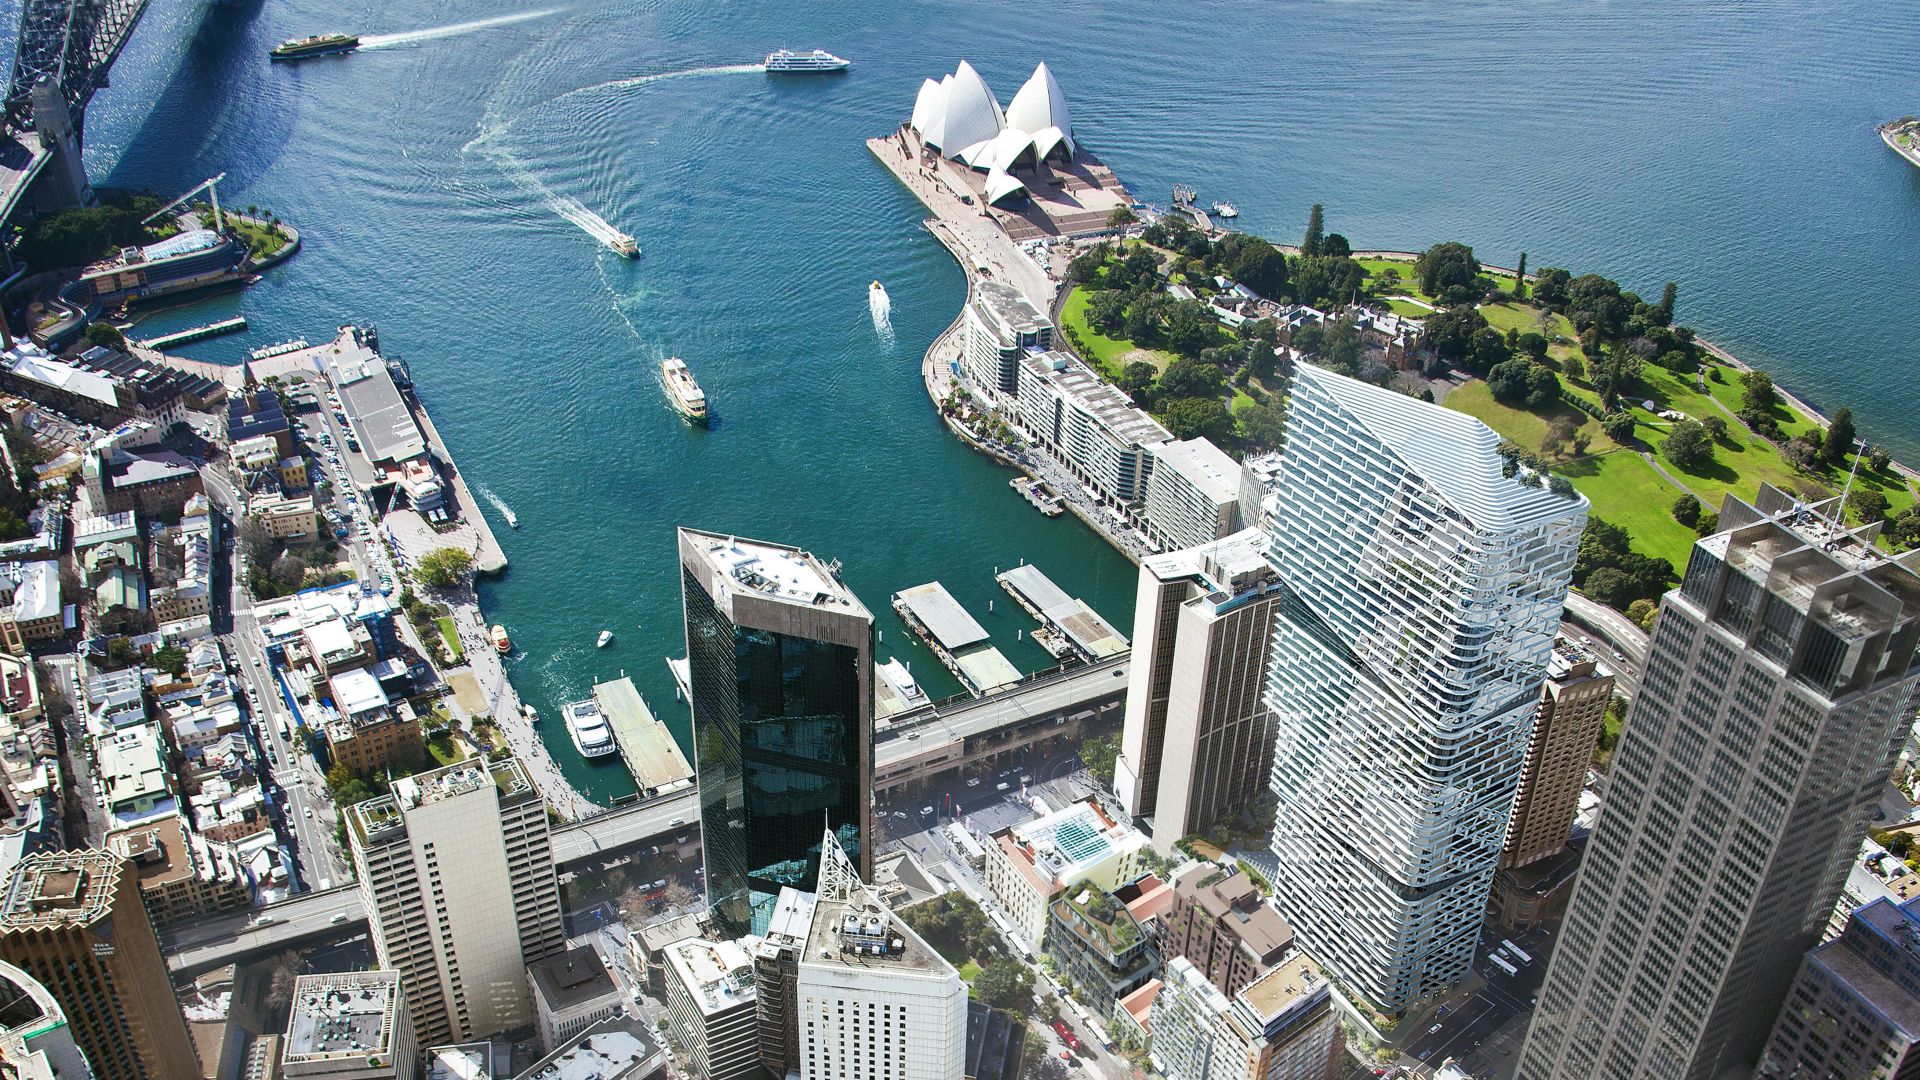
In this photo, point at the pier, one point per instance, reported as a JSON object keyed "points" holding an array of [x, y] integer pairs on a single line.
{"points": [[955, 637], [196, 333], [1068, 625], [652, 756]]}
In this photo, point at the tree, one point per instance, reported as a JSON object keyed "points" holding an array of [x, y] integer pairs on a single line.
{"points": [[1708, 524], [1336, 246], [1840, 438], [1190, 327], [1642, 611], [1121, 217], [1619, 426], [1757, 392], [1004, 983], [1487, 349], [107, 335], [1520, 278], [172, 660], [122, 653], [1316, 225], [1879, 459], [1253, 262], [1667, 297], [1686, 510], [1198, 418], [1107, 312], [1447, 270], [287, 967], [1190, 378], [443, 568], [1085, 267], [1868, 504], [1523, 383], [1450, 333], [1098, 753], [1607, 569], [678, 897], [1689, 446], [1550, 287], [1716, 427], [1137, 379], [288, 571], [1262, 427]]}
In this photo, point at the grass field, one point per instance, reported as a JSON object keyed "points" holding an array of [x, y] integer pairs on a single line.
{"points": [[968, 971], [452, 637], [1530, 429], [1103, 352], [1626, 491]]}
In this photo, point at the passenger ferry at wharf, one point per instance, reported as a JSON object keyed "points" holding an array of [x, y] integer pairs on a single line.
{"points": [[592, 735], [682, 392], [788, 62]]}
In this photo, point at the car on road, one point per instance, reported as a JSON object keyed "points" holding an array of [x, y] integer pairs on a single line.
{"points": [[900, 814], [1001, 786], [309, 813], [338, 918], [926, 811], [1066, 1035], [973, 781], [256, 661], [1432, 1030]]}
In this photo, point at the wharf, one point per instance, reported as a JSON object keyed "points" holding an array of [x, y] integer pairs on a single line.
{"points": [[652, 756], [197, 333], [955, 637], [1077, 625]]}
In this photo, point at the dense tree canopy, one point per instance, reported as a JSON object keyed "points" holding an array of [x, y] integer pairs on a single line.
{"points": [[1689, 446], [1447, 271], [443, 567], [1609, 571]]}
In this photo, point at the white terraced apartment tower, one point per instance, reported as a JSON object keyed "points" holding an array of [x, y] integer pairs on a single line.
{"points": [[1779, 686], [1422, 588], [457, 868]]}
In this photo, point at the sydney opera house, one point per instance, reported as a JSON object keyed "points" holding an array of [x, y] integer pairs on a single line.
{"points": [[1023, 152]]}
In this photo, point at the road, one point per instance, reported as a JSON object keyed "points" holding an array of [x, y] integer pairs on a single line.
{"points": [[1622, 633], [1483, 1026]]}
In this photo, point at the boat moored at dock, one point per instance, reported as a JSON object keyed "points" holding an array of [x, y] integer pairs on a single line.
{"points": [[317, 45], [501, 642], [592, 736], [683, 393], [815, 61]]}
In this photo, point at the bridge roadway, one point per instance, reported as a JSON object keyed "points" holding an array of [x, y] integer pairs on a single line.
{"points": [[913, 747]]}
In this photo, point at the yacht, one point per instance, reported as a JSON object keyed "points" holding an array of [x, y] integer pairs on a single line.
{"points": [[818, 60], [601, 642], [591, 735], [1225, 209], [623, 245], [685, 395]]}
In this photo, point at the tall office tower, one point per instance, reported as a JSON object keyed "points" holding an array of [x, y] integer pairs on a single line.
{"points": [[349, 1026], [875, 1001], [1422, 590], [1779, 686], [36, 1040], [780, 658], [457, 868], [710, 1003], [73, 921], [1854, 1009], [1198, 741], [1573, 708]]}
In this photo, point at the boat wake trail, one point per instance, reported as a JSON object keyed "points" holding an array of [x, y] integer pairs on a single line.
{"points": [[591, 223], [385, 41], [882, 308], [643, 80], [498, 504]]}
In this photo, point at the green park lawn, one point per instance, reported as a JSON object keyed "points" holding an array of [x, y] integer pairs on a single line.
{"points": [[1403, 267], [1529, 429], [451, 636], [1408, 308], [968, 971], [1105, 353], [1626, 491], [1526, 319]]}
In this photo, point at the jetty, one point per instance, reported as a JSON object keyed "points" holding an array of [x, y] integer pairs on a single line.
{"points": [[196, 333], [1068, 627], [652, 755], [960, 642]]}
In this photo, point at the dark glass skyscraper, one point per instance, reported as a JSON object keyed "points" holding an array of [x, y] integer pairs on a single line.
{"points": [[780, 658]]}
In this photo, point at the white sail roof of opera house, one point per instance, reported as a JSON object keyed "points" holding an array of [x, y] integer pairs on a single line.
{"points": [[1040, 105], [959, 117], [1000, 185], [958, 113]]}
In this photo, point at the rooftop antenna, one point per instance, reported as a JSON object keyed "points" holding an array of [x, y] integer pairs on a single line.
{"points": [[1840, 507]]}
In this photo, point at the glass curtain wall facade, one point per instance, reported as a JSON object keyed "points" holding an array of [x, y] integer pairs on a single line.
{"points": [[782, 709], [1424, 580]]}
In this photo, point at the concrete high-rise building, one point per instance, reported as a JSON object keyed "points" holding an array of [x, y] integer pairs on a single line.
{"points": [[780, 668], [1422, 589], [457, 868], [36, 1041], [710, 1003], [1573, 709], [1854, 1009], [1778, 687], [349, 1026], [1193, 495], [73, 921], [1198, 742], [1001, 325], [776, 976], [1220, 923], [875, 1001], [1279, 1027]]}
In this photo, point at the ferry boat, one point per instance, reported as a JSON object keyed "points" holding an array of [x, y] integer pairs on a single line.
{"points": [[685, 395], [819, 60], [591, 735], [532, 714], [1225, 209], [317, 45], [601, 642], [1902, 136], [623, 245], [501, 642]]}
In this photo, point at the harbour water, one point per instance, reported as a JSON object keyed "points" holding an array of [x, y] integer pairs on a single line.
{"points": [[451, 185]]}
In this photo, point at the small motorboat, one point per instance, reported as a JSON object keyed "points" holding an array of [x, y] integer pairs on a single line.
{"points": [[501, 642], [605, 636]]}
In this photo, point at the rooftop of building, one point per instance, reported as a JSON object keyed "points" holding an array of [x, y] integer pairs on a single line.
{"points": [[1234, 564], [792, 917], [1573, 661], [1456, 454], [993, 1043], [1286, 983], [36, 365], [460, 1061], [35, 587], [1145, 897], [571, 978], [374, 817], [1204, 465], [1234, 899], [942, 615], [1099, 398], [618, 1048], [853, 929], [717, 974], [1010, 307], [1076, 835], [357, 691], [346, 1015], [1079, 622], [773, 571], [1093, 914], [60, 888], [26, 1007], [1139, 1003], [373, 404], [157, 849]]}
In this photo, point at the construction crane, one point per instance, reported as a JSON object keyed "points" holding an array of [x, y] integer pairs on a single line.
{"points": [[204, 185]]}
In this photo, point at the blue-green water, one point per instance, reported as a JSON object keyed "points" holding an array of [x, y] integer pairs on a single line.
{"points": [[1728, 145]]}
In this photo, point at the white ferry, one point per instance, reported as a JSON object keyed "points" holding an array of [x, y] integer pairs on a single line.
{"points": [[682, 392], [819, 60], [624, 245], [591, 735]]}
